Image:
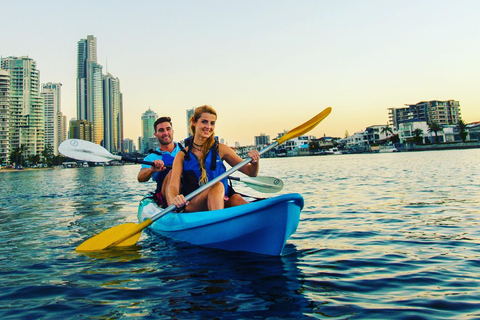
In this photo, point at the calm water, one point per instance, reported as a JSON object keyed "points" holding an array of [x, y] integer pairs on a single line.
{"points": [[382, 236]]}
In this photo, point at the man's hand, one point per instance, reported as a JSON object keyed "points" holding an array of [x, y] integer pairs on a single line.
{"points": [[158, 166]]}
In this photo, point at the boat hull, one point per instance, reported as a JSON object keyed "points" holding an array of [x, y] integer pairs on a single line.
{"points": [[261, 227]]}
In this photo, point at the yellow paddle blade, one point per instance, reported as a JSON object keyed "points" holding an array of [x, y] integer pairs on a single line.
{"points": [[124, 235], [307, 126]]}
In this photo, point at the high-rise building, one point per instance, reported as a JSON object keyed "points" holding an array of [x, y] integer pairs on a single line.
{"points": [[148, 120], [81, 129], [113, 114], [4, 116], [90, 87], [440, 112], [62, 129], [190, 113], [52, 94], [128, 146], [262, 140], [27, 115]]}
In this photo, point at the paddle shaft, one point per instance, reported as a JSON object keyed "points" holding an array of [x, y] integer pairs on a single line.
{"points": [[120, 158], [256, 183]]}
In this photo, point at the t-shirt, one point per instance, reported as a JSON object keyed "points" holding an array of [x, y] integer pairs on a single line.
{"points": [[154, 156]]}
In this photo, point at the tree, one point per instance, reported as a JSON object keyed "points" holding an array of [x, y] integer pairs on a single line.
{"points": [[313, 146], [48, 155], [17, 156], [462, 130], [387, 130], [33, 160], [395, 138], [435, 128], [418, 136]]}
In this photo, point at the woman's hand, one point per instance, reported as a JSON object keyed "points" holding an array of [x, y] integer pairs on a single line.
{"points": [[255, 155], [180, 201]]}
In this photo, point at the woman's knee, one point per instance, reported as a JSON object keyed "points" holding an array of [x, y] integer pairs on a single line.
{"points": [[218, 188], [236, 200]]}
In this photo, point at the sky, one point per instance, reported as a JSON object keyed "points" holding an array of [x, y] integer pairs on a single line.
{"points": [[264, 66]]}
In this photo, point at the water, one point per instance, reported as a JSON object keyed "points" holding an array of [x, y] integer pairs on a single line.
{"points": [[382, 236]]}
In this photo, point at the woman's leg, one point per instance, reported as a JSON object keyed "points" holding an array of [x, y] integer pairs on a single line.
{"points": [[235, 200], [210, 199]]}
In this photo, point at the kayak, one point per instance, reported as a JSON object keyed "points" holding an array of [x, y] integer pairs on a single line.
{"points": [[261, 226]]}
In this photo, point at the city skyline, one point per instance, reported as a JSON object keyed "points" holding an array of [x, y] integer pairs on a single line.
{"points": [[263, 70]]}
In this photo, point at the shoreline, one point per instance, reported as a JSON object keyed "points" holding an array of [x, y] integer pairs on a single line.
{"points": [[25, 169]]}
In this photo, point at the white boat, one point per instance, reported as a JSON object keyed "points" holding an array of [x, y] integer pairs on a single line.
{"points": [[333, 151], [387, 149]]}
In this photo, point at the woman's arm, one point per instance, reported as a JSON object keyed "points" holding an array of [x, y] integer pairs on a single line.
{"points": [[173, 189], [227, 154]]}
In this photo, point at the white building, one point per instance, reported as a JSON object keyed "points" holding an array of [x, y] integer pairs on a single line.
{"points": [[113, 114], [54, 135], [293, 146], [407, 129], [4, 116], [27, 113]]}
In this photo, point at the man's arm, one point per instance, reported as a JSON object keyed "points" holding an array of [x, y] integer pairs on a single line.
{"points": [[146, 173]]}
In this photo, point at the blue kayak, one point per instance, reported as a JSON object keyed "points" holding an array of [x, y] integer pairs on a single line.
{"points": [[261, 227]]}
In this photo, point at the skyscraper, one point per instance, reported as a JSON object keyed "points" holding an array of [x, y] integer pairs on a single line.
{"points": [[26, 127], [148, 120], [4, 116], [90, 87], [113, 113], [190, 113], [52, 94], [99, 100], [81, 129], [62, 129]]}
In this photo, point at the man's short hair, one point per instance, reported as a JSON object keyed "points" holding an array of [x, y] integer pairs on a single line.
{"points": [[161, 120]]}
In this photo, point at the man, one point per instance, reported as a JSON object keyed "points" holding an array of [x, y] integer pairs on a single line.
{"points": [[162, 158]]}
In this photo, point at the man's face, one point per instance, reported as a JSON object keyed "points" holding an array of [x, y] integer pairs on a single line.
{"points": [[164, 133]]}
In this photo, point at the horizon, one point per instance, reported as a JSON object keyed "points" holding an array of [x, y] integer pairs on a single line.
{"points": [[265, 70]]}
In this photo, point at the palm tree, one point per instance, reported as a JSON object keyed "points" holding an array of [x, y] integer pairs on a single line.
{"points": [[435, 127], [418, 136], [17, 156], [387, 129], [462, 128], [48, 155]]}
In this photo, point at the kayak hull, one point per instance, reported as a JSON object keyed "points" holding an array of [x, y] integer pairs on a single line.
{"points": [[260, 227]]}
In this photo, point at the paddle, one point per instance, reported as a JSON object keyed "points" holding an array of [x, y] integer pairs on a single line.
{"points": [[89, 151], [262, 184], [128, 234]]}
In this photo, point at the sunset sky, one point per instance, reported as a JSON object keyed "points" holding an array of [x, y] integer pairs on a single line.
{"points": [[265, 66]]}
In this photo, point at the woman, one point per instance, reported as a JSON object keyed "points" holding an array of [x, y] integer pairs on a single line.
{"points": [[196, 160]]}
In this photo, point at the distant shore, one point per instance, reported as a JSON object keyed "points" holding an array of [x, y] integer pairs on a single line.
{"points": [[25, 169]]}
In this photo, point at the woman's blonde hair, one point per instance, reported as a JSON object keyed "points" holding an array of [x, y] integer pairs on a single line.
{"points": [[210, 141]]}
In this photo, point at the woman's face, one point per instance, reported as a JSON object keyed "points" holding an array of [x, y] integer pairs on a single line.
{"points": [[205, 125]]}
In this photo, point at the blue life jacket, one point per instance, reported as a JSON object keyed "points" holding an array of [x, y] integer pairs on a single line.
{"points": [[167, 159], [191, 168]]}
